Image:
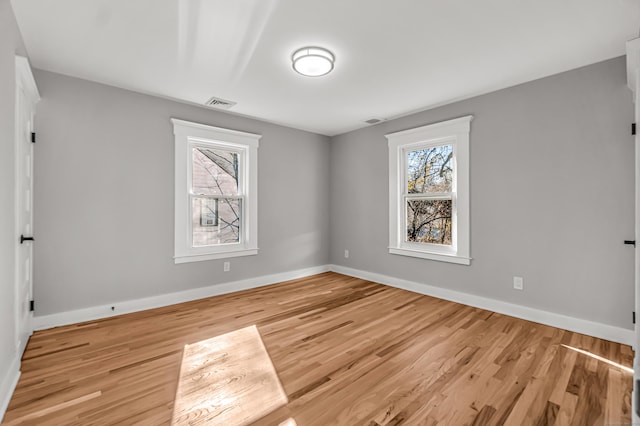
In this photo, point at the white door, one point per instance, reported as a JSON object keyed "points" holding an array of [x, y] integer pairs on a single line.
{"points": [[633, 81], [26, 97]]}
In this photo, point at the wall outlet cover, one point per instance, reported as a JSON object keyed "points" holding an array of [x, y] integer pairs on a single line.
{"points": [[518, 283]]}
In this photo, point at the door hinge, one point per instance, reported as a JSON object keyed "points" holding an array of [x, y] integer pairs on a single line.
{"points": [[32, 306], [33, 137], [633, 128], [633, 315]]}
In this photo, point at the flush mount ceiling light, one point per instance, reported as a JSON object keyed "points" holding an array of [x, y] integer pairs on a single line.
{"points": [[312, 61]]}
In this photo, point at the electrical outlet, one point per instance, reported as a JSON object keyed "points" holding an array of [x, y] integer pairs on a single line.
{"points": [[227, 266], [346, 254], [518, 283]]}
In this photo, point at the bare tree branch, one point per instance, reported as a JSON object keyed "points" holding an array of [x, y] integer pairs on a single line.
{"points": [[229, 167]]}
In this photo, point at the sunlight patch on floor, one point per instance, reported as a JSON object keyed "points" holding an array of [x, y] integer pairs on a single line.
{"points": [[599, 358], [227, 380]]}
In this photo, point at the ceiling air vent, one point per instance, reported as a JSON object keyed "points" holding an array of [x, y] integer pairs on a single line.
{"points": [[219, 103], [373, 120]]}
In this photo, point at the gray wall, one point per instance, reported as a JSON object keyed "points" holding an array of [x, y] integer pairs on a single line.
{"points": [[552, 178], [104, 189], [10, 44], [552, 196]]}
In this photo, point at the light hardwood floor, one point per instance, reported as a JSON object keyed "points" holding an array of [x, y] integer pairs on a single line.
{"points": [[327, 349]]}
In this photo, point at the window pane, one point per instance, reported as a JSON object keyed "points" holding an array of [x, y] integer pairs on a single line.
{"points": [[216, 221], [215, 171], [429, 221], [430, 169]]}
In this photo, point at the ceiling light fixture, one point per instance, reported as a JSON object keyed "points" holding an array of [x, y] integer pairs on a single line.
{"points": [[313, 61]]}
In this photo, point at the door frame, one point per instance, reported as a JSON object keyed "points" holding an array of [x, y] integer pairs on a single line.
{"points": [[25, 81], [633, 81]]}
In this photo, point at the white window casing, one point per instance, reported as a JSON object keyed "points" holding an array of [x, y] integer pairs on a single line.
{"points": [[452, 132], [187, 136]]}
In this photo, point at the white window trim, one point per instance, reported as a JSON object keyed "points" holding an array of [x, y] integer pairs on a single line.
{"points": [[455, 132], [186, 134]]}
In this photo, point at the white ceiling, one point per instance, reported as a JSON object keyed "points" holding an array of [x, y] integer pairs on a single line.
{"points": [[393, 57]]}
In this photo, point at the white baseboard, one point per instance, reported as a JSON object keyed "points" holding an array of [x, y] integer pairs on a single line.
{"points": [[602, 331], [8, 385], [125, 307]]}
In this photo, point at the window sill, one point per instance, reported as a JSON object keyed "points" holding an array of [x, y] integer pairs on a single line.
{"points": [[451, 258], [213, 256]]}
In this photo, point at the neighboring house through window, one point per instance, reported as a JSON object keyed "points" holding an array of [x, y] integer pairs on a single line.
{"points": [[429, 191], [215, 192]]}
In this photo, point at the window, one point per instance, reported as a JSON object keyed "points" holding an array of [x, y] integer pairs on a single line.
{"points": [[429, 191], [215, 192]]}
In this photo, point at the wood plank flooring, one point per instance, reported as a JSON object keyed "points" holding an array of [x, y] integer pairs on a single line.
{"points": [[324, 350]]}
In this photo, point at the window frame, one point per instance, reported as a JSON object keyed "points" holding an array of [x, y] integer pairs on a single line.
{"points": [[190, 135], [451, 132]]}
